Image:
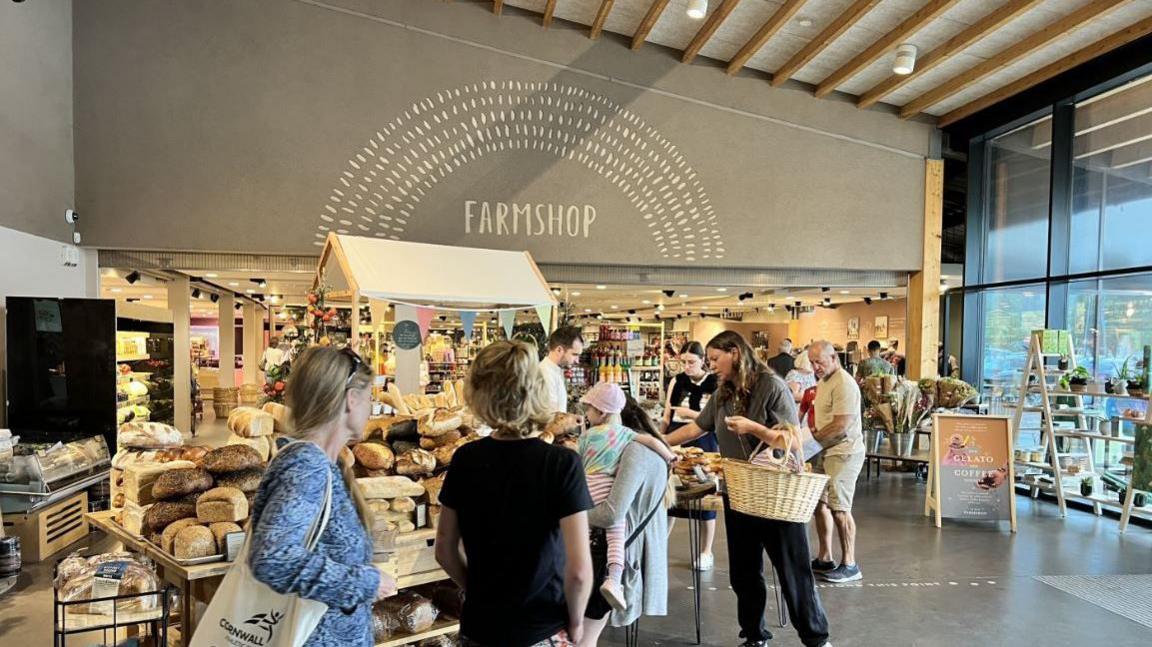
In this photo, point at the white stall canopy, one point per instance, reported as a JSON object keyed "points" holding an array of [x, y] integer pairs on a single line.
{"points": [[419, 274]]}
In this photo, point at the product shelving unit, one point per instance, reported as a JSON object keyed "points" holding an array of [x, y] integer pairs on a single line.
{"points": [[410, 559], [1039, 379]]}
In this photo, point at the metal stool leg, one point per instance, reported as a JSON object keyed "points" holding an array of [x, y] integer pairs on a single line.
{"points": [[781, 611], [694, 532]]}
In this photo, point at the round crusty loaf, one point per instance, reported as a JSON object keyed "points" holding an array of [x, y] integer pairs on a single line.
{"points": [[220, 531], [232, 458], [246, 481], [374, 456], [163, 513], [430, 442], [193, 542], [169, 534], [176, 483], [417, 462]]}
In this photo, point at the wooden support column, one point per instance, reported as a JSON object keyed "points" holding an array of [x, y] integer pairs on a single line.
{"points": [[253, 343], [924, 286], [227, 331], [180, 301]]}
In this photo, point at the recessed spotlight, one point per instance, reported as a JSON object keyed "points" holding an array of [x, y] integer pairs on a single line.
{"points": [[211, 275], [615, 307], [721, 289], [683, 296], [601, 287], [646, 301], [250, 291], [845, 291], [804, 22], [116, 290], [587, 309], [147, 296], [697, 9], [575, 294], [234, 284]]}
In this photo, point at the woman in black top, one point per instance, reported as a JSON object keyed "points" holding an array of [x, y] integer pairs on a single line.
{"points": [[751, 399], [689, 392]]}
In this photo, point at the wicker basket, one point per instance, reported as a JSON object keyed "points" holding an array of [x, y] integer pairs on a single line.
{"points": [[224, 400], [250, 395], [774, 492]]}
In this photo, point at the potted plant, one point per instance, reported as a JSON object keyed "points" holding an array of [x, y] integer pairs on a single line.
{"points": [[1086, 486], [1120, 382], [1078, 380], [1136, 387], [1063, 363]]}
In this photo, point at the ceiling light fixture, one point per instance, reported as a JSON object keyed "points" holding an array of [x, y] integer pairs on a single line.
{"points": [[845, 291], [684, 296], [825, 289], [697, 9], [195, 293], [234, 284], [215, 297], [575, 294], [147, 296], [804, 22], [211, 275], [116, 290], [615, 307], [645, 302], [827, 301], [721, 289], [867, 301], [883, 296], [905, 59]]}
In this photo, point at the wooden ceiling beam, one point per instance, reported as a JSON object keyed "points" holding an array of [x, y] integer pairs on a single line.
{"points": [[708, 29], [601, 18], [497, 6], [845, 20], [549, 9], [654, 12], [950, 48], [887, 43], [766, 32], [1120, 38], [998, 61]]}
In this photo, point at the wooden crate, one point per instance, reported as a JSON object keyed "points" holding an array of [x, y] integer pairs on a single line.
{"points": [[48, 531]]}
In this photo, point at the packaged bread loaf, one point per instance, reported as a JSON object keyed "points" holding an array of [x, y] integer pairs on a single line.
{"points": [[432, 442], [374, 456], [279, 415], [148, 435], [388, 487], [417, 462], [443, 640], [384, 625], [247, 481], [175, 483], [250, 422], [447, 597], [220, 531], [232, 458], [163, 513], [169, 534], [133, 577], [264, 445], [222, 504], [413, 612], [193, 542]]}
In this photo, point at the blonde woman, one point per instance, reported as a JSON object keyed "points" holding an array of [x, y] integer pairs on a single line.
{"points": [[329, 401], [513, 530]]}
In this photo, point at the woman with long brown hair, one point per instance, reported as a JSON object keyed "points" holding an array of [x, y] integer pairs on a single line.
{"points": [[749, 401]]}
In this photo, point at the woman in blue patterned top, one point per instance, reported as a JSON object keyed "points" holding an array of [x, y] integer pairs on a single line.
{"points": [[329, 402]]}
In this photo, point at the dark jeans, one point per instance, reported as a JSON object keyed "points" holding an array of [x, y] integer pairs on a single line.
{"points": [[787, 546]]}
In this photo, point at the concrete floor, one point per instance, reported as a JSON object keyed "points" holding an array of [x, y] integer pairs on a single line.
{"points": [[965, 584]]}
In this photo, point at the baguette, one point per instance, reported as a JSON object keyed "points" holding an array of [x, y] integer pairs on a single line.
{"points": [[403, 504], [389, 487], [398, 401]]}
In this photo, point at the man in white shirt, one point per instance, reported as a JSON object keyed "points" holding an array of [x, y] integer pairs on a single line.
{"points": [[839, 430], [273, 356], [564, 348]]}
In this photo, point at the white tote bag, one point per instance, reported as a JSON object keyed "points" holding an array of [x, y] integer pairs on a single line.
{"points": [[245, 612]]}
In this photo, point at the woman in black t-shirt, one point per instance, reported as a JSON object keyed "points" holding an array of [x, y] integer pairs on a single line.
{"points": [[687, 395], [517, 508]]}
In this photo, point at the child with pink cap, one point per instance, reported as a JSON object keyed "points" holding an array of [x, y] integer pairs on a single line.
{"points": [[601, 448]]}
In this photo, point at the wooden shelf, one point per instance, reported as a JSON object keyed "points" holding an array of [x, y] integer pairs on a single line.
{"points": [[132, 358], [1092, 436], [416, 579], [1035, 388], [440, 628], [1069, 413]]}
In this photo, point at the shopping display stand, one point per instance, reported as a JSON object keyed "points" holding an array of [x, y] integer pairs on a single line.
{"points": [[1040, 378], [410, 558], [110, 625], [195, 583]]}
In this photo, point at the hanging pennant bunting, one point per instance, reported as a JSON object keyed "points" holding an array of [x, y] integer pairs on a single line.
{"points": [[545, 314], [508, 320], [468, 318], [424, 318]]}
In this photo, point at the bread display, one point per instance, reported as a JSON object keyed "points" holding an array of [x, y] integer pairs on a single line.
{"points": [[232, 458], [388, 487], [131, 517], [404, 446], [403, 504], [430, 442], [412, 612], [163, 513], [374, 456], [175, 483], [169, 534], [193, 542], [417, 462], [247, 481], [379, 506], [440, 422], [265, 446], [279, 415], [148, 435], [250, 422], [137, 479], [136, 578], [443, 640], [432, 486], [193, 454], [220, 531], [222, 504], [447, 597]]}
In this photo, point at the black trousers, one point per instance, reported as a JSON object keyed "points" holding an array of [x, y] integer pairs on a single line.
{"points": [[787, 546]]}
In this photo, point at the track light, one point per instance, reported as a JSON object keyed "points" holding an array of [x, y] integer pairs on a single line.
{"points": [[883, 296], [443, 317], [697, 9], [195, 293], [132, 277], [905, 61], [867, 301], [260, 282], [771, 307], [799, 304], [825, 289], [827, 301], [631, 312], [215, 297], [669, 293], [238, 306]]}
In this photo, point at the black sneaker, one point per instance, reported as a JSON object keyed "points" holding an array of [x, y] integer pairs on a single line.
{"points": [[820, 566], [844, 573], [754, 643]]}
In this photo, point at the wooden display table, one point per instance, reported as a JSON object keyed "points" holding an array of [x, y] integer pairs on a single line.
{"points": [[195, 583]]}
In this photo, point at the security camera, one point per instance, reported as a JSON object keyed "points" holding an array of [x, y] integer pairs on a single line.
{"points": [[71, 217]]}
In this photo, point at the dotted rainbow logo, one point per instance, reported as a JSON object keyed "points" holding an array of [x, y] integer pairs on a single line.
{"points": [[381, 190]]}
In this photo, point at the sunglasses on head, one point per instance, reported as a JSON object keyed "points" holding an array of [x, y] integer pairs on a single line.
{"points": [[355, 367]]}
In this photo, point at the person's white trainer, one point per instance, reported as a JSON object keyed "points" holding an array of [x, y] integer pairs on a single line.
{"points": [[705, 562]]}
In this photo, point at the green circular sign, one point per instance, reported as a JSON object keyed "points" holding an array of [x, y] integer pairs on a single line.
{"points": [[406, 335]]}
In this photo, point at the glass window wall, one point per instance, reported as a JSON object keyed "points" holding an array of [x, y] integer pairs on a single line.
{"points": [[1016, 214]]}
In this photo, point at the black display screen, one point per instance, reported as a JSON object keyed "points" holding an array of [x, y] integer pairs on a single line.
{"points": [[61, 361]]}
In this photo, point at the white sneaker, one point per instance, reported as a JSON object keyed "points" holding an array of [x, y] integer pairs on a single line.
{"points": [[614, 595], [705, 562]]}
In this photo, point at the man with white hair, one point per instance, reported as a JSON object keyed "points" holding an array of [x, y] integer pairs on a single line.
{"points": [[783, 363], [839, 430]]}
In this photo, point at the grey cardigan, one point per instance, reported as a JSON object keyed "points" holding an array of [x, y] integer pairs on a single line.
{"points": [[640, 484]]}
